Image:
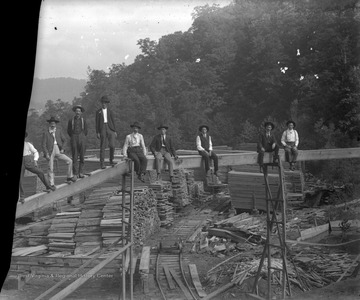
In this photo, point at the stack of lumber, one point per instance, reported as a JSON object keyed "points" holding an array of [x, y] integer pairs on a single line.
{"points": [[35, 233], [88, 233], [111, 223], [62, 231], [164, 207], [247, 190], [180, 190], [29, 251], [146, 218], [294, 185]]}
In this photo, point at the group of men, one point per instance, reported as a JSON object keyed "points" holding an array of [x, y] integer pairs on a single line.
{"points": [[54, 145], [162, 147], [289, 140]]}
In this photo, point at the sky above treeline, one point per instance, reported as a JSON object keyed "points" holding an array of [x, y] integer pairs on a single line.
{"points": [[76, 34]]}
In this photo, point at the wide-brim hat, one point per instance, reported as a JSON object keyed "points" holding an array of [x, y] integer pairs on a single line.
{"points": [[269, 123], [136, 124], [52, 119], [202, 126], [162, 126], [289, 122], [104, 99], [78, 106]]}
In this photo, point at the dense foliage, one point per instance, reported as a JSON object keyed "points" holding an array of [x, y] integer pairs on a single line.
{"points": [[236, 67]]}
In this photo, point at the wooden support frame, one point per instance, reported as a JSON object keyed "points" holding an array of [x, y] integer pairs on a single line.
{"points": [[97, 177]]}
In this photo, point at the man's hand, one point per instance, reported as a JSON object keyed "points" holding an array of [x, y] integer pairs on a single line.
{"points": [[47, 157], [62, 151], [262, 149], [35, 163], [210, 152], [273, 146], [98, 135], [294, 147]]}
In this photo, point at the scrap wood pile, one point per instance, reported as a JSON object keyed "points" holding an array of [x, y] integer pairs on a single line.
{"points": [[88, 233], [146, 218], [318, 192], [162, 192], [328, 266], [62, 231]]}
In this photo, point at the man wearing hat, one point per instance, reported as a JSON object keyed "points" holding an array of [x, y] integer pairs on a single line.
{"points": [[77, 130], [267, 143], [290, 141], [204, 146], [30, 159], [134, 149], [105, 130], [53, 145], [162, 147]]}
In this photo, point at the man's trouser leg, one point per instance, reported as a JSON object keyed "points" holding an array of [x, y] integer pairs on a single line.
{"points": [[66, 159], [158, 158], [30, 166], [168, 160], [51, 165], [215, 160], [75, 152], [21, 188], [133, 156], [295, 153], [206, 158], [111, 139], [82, 149], [102, 144]]}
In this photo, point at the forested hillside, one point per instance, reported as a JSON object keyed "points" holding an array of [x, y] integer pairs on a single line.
{"points": [[62, 88], [236, 67]]}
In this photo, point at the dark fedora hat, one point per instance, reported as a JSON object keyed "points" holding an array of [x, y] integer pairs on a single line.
{"points": [[289, 122], [78, 106], [52, 119], [104, 99], [136, 124], [162, 126], [202, 126], [269, 123]]}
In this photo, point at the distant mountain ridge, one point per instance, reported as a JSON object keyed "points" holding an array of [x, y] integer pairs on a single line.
{"points": [[64, 88]]}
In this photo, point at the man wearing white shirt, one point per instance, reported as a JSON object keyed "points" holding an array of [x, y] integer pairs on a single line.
{"points": [[134, 149], [30, 159], [204, 146], [290, 141]]}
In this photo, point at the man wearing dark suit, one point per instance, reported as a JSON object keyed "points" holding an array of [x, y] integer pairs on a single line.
{"points": [[267, 143], [53, 145], [77, 130], [105, 130], [162, 147]]}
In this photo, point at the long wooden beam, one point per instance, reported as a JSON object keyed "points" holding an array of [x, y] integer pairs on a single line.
{"points": [[97, 177]]}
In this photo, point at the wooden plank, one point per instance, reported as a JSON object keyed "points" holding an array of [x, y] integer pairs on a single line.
{"points": [[99, 176], [168, 278], [79, 282], [196, 280], [145, 260], [181, 285]]}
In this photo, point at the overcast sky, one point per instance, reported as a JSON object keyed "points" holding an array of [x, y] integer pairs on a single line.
{"points": [[75, 34]]}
